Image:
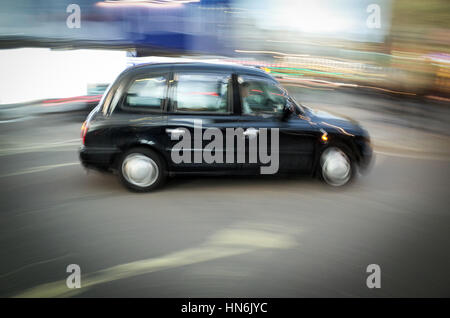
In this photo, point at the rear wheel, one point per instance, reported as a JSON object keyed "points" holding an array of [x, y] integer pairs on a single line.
{"points": [[141, 169], [337, 167]]}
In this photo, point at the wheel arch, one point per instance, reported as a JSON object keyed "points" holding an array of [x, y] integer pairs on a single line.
{"points": [[336, 141], [138, 144]]}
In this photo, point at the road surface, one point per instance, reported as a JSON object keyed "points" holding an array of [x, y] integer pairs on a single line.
{"points": [[222, 237]]}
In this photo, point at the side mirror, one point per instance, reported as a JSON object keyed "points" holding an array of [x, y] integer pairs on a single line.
{"points": [[288, 109]]}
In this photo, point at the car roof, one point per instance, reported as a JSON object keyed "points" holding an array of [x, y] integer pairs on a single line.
{"points": [[198, 66]]}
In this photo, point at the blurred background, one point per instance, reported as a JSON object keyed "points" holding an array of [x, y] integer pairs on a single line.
{"points": [[385, 63]]}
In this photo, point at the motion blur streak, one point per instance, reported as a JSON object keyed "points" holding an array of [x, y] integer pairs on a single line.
{"points": [[383, 63]]}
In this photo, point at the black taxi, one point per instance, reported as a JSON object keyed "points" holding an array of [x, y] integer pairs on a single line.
{"points": [[158, 120]]}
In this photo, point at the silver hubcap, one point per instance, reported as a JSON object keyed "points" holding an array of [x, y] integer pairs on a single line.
{"points": [[140, 170], [336, 167]]}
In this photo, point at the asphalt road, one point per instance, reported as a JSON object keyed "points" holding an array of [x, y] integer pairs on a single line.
{"points": [[217, 237]]}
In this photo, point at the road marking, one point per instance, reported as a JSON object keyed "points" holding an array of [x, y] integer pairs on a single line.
{"points": [[411, 156], [38, 169], [225, 243], [38, 147], [49, 167], [15, 120], [32, 265]]}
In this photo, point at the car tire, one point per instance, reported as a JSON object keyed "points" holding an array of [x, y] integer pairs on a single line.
{"points": [[142, 169], [337, 166]]}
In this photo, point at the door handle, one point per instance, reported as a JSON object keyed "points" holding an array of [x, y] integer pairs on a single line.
{"points": [[175, 131], [251, 132]]}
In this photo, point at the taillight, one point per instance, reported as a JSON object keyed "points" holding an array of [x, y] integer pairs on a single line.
{"points": [[84, 129]]}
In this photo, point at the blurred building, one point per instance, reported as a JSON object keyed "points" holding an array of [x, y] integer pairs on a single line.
{"points": [[392, 46]]}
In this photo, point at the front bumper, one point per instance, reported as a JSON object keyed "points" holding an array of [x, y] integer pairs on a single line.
{"points": [[366, 156]]}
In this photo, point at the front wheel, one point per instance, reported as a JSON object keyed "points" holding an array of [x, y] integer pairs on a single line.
{"points": [[336, 166], [141, 170]]}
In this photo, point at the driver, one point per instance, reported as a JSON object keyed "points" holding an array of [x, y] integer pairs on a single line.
{"points": [[244, 87]]}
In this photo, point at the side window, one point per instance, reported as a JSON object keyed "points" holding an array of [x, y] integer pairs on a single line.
{"points": [[146, 93], [206, 92], [261, 96]]}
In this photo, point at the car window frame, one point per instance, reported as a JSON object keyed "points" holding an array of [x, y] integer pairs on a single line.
{"points": [[142, 109], [171, 109], [262, 79], [108, 97]]}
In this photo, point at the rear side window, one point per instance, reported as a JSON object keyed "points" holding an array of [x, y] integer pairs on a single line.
{"points": [[146, 93], [202, 92]]}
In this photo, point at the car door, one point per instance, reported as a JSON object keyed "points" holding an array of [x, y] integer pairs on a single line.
{"points": [[262, 102], [199, 114], [136, 109]]}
